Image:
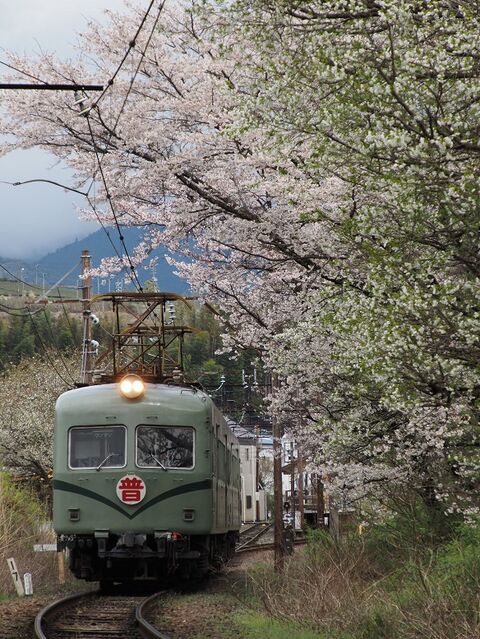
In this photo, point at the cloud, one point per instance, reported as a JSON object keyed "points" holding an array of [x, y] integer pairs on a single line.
{"points": [[38, 218], [53, 25]]}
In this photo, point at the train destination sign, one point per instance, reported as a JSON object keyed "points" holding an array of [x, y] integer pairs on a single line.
{"points": [[131, 489]]}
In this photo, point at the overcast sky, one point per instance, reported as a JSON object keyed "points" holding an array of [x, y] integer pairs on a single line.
{"points": [[37, 218]]}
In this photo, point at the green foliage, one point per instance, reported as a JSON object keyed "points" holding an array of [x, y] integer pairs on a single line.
{"points": [[407, 534], [258, 626], [402, 579], [23, 335], [20, 509], [202, 361]]}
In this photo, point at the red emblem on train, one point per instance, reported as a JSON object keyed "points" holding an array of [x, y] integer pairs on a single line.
{"points": [[131, 489]]}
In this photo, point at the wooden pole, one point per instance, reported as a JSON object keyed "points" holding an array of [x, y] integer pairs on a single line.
{"points": [[320, 501], [279, 541], [292, 485], [87, 326], [61, 566], [301, 499], [257, 472]]}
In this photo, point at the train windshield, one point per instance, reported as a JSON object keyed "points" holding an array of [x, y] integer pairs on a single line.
{"points": [[165, 446], [97, 447]]}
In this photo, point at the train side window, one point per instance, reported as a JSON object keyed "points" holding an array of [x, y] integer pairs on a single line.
{"points": [[167, 446], [94, 446]]}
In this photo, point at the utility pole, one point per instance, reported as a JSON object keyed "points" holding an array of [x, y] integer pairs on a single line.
{"points": [[257, 473], [320, 500], [279, 541], [301, 501], [87, 326], [292, 483]]}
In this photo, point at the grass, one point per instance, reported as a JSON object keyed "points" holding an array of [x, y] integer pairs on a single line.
{"points": [[11, 288], [254, 625], [21, 514], [225, 615], [402, 580]]}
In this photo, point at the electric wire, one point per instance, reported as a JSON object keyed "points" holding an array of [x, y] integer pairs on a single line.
{"points": [[131, 45], [53, 342], [132, 82], [15, 277], [25, 73], [10, 310], [70, 326], [133, 273], [45, 352], [107, 233]]}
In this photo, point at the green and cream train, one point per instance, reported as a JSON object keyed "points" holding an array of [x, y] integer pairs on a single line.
{"points": [[146, 481]]}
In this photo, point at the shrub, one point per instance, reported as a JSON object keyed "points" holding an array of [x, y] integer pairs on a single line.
{"points": [[23, 522]]}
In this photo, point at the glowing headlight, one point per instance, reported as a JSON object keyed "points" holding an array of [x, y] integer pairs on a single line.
{"points": [[132, 386]]}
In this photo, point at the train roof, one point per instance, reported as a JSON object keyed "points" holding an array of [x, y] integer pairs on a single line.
{"points": [[100, 396]]}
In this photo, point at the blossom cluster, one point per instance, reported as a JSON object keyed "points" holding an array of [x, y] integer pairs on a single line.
{"points": [[316, 168]]}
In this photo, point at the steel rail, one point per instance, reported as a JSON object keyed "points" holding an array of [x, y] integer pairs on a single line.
{"points": [[267, 546], [249, 542], [251, 527], [45, 612], [145, 628]]}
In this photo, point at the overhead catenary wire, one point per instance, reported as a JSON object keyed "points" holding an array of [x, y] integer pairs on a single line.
{"points": [[53, 342], [45, 352], [11, 310], [133, 274], [131, 46], [15, 277], [108, 195], [25, 73], [113, 129], [65, 312]]}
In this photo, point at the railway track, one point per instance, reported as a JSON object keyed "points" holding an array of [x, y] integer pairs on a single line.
{"points": [[249, 537], [266, 546], [95, 616]]}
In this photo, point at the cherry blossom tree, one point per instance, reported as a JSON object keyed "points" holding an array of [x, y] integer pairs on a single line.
{"points": [[316, 164], [384, 96], [28, 392]]}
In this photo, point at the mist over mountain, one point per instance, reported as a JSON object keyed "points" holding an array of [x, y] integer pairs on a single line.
{"points": [[52, 267]]}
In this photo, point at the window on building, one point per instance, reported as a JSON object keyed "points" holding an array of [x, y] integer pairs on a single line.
{"points": [[249, 501]]}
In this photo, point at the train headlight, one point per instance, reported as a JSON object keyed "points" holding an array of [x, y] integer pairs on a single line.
{"points": [[132, 386]]}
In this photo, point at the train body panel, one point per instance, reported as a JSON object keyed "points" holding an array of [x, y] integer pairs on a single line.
{"points": [[129, 474]]}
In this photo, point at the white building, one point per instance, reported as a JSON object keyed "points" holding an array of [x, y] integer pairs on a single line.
{"points": [[254, 498]]}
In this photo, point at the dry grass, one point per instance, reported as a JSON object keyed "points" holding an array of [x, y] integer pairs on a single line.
{"points": [[321, 586], [338, 590], [23, 524]]}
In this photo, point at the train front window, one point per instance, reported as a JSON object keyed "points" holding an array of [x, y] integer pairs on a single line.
{"points": [[165, 446], [97, 447]]}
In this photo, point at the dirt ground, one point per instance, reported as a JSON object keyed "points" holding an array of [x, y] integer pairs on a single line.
{"points": [[17, 616], [209, 608], [209, 612]]}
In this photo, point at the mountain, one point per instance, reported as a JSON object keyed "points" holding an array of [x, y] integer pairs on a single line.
{"points": [[51, 268]]}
